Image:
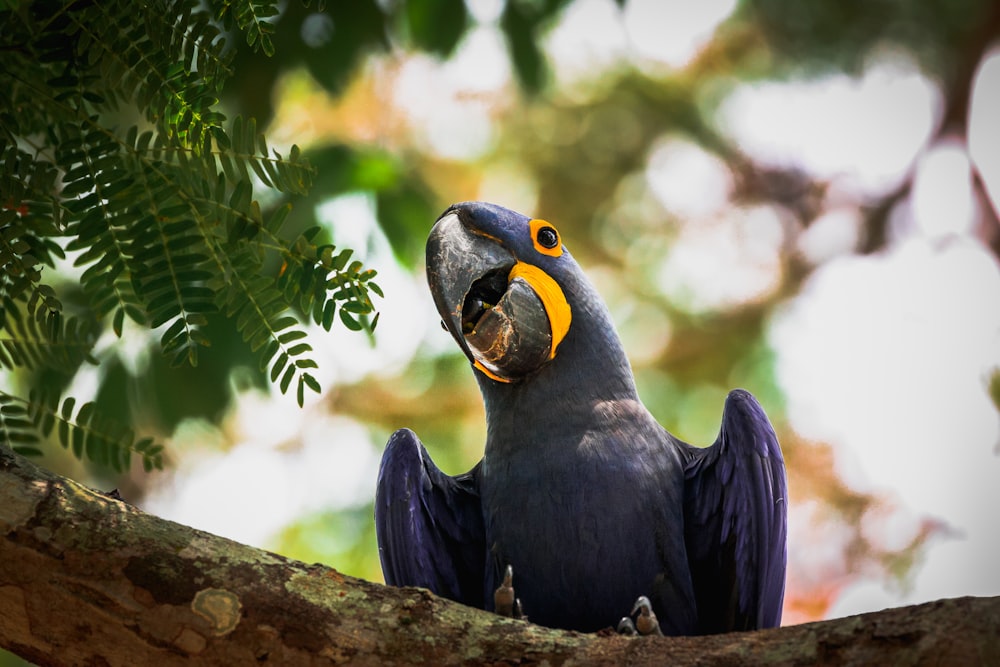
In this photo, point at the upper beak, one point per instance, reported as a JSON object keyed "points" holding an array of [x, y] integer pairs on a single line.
{"points": [[456, 259]]}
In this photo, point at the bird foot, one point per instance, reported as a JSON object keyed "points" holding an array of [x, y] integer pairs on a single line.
{"points": [[504, 601], [645, 623]]}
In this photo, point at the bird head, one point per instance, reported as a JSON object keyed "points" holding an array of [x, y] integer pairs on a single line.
{"points": [[541, 341], [497, 278]]}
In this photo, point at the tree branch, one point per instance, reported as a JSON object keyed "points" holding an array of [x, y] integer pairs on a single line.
{"points": [[87, 579]]}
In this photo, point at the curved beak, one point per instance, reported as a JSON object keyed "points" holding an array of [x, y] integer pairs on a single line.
{"points": [[497, 319], [457, 258]]}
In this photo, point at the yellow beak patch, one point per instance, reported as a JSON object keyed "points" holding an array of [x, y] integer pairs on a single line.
{"points": [[551, 295]]}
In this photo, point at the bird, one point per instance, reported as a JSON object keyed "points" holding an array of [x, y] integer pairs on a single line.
{"points": [[582, 505]]}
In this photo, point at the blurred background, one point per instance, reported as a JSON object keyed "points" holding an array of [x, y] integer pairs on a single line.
{"points": [[800, 199]]}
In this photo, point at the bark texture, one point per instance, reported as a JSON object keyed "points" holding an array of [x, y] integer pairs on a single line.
{"points": [[89, 580]]}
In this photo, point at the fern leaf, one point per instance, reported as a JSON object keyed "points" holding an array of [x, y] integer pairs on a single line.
{"points": [[25, 423], [249, 152], [162, 221], [17, 430], [249, 17], [40, 338], [263, 322], [87, 433]]}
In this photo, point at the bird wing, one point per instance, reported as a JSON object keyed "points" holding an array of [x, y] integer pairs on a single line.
{"points": [[735, 501], [429, 525]]}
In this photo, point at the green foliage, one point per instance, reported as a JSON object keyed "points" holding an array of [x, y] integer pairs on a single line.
{"points": [[345, 537], [824, 35], [85, 431], [43, 340], [250, 17], [994, 388], [437, 25], [521, 22], [405, 203], [115, 153]]}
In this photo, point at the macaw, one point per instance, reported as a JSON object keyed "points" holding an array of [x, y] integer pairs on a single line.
{"points": [[582, 503]]}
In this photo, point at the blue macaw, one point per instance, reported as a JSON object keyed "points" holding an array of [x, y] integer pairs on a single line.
{"points": [[582, 502]]}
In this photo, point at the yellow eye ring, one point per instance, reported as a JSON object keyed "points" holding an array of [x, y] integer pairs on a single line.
{"points": [[545, 238]]}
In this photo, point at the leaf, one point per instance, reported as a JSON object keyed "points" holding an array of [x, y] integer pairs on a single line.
{"points": [[278, 217], [311, 382], [350, 321], [520, 25], [25, 450], [437, 25], [286, 379], [279, 366]]}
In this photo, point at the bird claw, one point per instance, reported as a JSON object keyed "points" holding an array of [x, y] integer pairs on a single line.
{"points": [[504, 601], [626, 627], [645, 623]]}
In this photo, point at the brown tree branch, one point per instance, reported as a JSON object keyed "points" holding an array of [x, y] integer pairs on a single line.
{"points": [[87, 579]]}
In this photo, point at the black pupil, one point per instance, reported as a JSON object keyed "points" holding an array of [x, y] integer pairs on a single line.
{"points": [[547, 237]]}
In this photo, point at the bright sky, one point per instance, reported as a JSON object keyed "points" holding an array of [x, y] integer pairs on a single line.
{"points": [[885, 356], [866, 131]]}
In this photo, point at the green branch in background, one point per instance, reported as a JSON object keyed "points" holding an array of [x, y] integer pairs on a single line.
{"points": [[115, 154], [85, 432]]}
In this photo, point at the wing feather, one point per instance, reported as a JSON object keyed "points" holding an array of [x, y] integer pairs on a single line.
{"points": [[429, 525], [735, 521]]}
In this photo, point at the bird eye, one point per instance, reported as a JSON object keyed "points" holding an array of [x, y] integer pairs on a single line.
{"points": [[547, 237]]}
